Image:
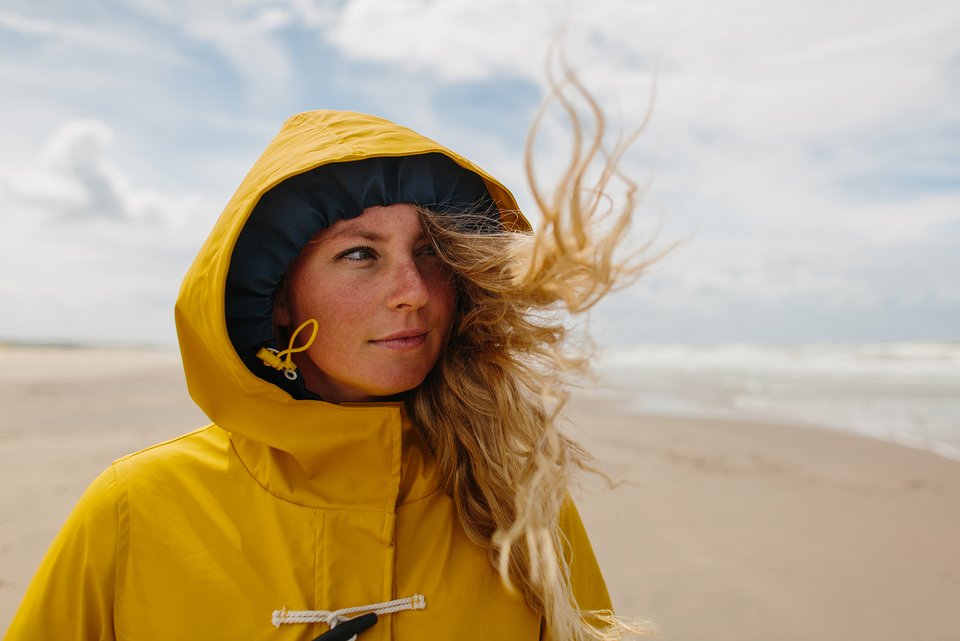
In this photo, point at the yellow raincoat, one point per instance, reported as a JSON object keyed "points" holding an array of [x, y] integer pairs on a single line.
{"points": [[280, 504]]}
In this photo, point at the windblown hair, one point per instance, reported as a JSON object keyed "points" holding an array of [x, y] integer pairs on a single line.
{"points": [[489, 407]]}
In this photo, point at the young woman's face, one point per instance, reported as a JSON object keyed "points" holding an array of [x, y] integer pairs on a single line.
{"points": [[383, 300]]}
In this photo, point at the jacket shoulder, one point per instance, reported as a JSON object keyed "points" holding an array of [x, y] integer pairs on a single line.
{"points": [[197, 445], [171, 471]]}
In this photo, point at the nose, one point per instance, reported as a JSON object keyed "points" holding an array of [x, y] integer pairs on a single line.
{"points": [[408, 286]]}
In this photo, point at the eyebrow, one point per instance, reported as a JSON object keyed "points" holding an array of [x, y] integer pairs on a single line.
{"points": [[366, 234], [369, 235]]}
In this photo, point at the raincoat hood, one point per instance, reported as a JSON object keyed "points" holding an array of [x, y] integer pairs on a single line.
{"points": [[322, 166]]}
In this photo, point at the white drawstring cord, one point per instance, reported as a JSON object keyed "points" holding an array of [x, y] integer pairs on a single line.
{"points": [[335, 617]]}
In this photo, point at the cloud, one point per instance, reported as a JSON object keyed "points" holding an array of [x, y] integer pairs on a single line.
{"points": [[85, 36], [255, 49], [253, 37], [456, 40], [88, 253], [73, 178]]}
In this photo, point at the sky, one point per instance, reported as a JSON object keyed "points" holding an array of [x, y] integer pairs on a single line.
{"points": [[806, 156]]}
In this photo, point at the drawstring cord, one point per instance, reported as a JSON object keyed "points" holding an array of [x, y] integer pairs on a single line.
{"points": [[283, 361], [335, 617]]}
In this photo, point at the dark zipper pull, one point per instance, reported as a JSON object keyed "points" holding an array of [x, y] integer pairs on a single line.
{"points": [[349, 628]]}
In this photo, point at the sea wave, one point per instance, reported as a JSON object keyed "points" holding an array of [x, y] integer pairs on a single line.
{"points": [[907, 393]]}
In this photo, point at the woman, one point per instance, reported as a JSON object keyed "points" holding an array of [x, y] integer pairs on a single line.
{"points": [[373, 332]]}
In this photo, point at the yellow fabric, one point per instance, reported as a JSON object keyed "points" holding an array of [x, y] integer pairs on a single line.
{"points": [[280, 503]]}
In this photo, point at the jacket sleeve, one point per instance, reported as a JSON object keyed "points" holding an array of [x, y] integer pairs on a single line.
{"points": [[586, 580], [71, 596], [589, 588]]}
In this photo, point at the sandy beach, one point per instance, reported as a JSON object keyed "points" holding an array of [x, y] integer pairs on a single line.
{"points": [[716, 530]]}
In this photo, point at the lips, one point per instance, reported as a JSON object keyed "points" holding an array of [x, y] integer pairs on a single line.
{"points": [[407, 339]]}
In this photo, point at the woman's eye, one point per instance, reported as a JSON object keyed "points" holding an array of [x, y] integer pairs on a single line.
{"points": [[427, 250], [356, 253]]}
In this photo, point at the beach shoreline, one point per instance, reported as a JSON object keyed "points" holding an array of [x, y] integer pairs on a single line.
{"points": [[718, 529]]}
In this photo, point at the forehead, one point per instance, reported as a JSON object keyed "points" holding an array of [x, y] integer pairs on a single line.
{"points": [[377, 223]]}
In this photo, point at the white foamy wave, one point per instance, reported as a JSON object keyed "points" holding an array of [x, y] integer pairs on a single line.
{"points": [[893, 361], [908, 393]]}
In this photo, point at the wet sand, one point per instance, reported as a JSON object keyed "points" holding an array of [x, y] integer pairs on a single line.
{"points": [[717, 530]]}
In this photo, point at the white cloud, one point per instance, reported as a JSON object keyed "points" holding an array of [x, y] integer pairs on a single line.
{"points": [[249, 34], [255, 50], [87, 253], [73, 178], [456, 40], [85, 36]]}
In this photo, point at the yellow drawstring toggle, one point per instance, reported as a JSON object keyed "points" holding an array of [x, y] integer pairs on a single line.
{"points": [[283, 360]]}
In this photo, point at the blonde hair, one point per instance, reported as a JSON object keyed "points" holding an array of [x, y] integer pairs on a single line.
{"points": [[489, 407]]}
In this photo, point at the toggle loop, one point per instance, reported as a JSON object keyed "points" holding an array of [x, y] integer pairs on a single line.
{"points": [[283, 361]]}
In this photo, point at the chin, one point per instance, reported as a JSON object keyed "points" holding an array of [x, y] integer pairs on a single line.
{"points": [[399, 385]]}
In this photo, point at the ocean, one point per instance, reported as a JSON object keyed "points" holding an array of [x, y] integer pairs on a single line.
{"points": [[905, 393]]}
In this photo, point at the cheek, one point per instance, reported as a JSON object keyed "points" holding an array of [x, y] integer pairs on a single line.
{"points": [[341, 320], [444, 294], [334, 304]]}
